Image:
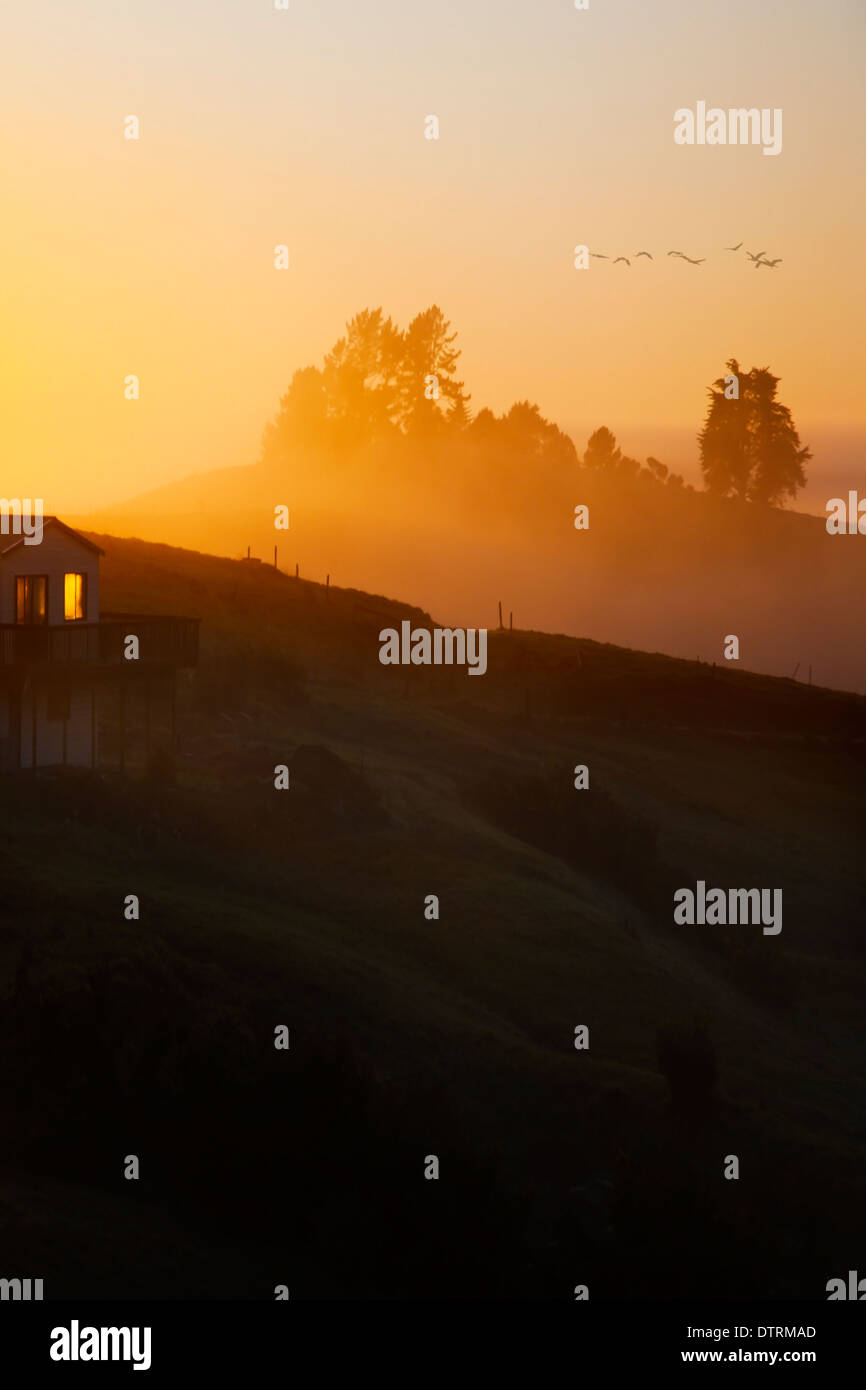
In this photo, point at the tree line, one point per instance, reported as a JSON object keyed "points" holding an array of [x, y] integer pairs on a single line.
{"points": [[382, 384]]}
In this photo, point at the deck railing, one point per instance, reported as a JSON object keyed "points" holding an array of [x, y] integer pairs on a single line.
{"points": [[161, 640]]}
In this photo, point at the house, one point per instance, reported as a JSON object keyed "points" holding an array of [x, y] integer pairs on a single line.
{"points": [[67, 669]]}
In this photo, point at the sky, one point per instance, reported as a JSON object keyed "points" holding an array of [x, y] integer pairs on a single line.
{"points": [[260, 127]]}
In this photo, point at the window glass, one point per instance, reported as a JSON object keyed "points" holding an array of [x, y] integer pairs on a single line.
{"points": [[73, 597], [31, 598]]}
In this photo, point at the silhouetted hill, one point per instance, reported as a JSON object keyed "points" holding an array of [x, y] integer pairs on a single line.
{"points": [[452, 1036], [660, 568]]}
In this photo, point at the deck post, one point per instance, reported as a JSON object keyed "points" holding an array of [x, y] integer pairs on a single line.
{"points": [[122, 724], [17, 719]]}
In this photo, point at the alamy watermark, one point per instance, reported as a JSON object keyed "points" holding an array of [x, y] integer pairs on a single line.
{"points": [[21, 1290], [444, 646], [22, 516], [855, 1288], [846, 519], [76, 1343], [734, 906], [738, 125]]}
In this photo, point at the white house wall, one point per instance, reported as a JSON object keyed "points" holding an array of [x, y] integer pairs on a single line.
{"points": [[49, 732], [57, 554]]}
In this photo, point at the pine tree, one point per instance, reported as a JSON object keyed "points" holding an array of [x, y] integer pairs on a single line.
{"points": [[428, 365], [750, 448]]}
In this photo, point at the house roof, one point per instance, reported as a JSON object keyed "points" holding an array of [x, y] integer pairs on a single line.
{"points": [[51, 521]]}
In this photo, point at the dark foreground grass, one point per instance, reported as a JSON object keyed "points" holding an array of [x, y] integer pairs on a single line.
{"points": [[453, 1036]]}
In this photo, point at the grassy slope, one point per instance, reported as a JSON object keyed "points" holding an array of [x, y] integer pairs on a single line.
{"points": [[459, 533], [308, 909]]}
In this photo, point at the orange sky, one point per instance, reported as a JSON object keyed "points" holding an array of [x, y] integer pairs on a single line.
{"points": [[307, 127]]}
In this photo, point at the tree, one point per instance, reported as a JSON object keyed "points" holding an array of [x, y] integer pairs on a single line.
{"points": [[657, 470], [361, 376], [302, 418], [602, 451], [779, 471], [378, 383], [604, 455], [750, 448], [375, 383], [429, 391], [522, 441], [483, 429], [527, 433], [460, 418]]}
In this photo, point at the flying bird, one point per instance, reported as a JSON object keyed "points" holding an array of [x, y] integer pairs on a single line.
{"points": [[756, 257]]}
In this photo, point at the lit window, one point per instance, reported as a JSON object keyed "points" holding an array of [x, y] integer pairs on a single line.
{"points": [[31, 598], [74, 589]]}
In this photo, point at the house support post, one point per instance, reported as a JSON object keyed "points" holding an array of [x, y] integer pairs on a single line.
{"points": [[147, 723], [122, 724]]}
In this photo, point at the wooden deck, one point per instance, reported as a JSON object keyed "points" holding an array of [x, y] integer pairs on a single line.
{"points": [[163, 641]]}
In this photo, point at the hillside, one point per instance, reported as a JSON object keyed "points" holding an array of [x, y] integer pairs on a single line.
{"points": [[453, 1036], [452, 536]]}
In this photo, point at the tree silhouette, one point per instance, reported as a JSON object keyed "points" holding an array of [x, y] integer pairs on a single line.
{"points": [[376, 383], [303, 416], [603, 454], [527, 433], [602, 450], [460, 418], [522, 443], [657, 470], [428, 387], [362, 379], [750, 448]]}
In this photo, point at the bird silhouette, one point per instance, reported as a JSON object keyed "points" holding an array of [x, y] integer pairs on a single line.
{"points": [[756, 257]]}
